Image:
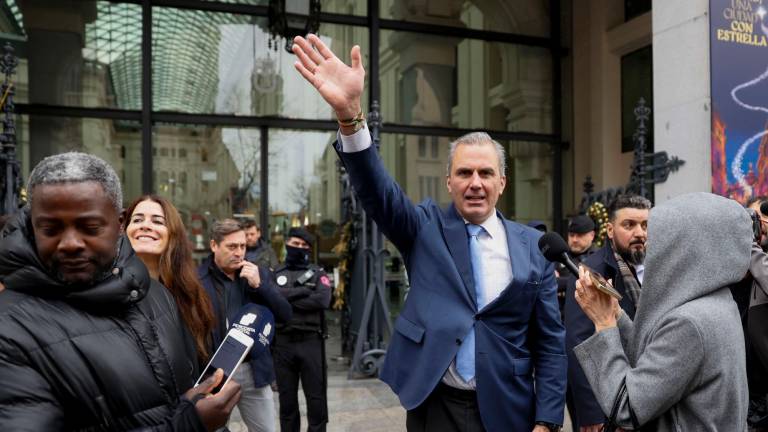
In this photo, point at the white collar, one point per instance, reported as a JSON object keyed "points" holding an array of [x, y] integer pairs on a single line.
{"points": [[492, 225]]}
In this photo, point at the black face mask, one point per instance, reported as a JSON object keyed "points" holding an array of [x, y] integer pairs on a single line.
{"points": [[296, 256]]}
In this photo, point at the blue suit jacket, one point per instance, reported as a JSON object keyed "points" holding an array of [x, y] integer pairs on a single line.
{"points": [[519, 336], [579, 328]]}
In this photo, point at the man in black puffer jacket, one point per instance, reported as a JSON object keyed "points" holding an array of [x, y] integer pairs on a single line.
{"points": [[88, 342]]}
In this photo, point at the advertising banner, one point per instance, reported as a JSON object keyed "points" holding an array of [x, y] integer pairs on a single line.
{"points": [[739, 79]]}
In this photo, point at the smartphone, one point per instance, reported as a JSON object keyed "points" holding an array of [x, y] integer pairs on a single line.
{"points": [[601, 284], [228, 357]]}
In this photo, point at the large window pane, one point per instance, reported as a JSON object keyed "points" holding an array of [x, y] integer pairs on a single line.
{"points": [[418, 164], [356, 7], [206, 62], [304, 188], [527, 17], [88, 56], [528, 194], [636, 83], [209, 173], [442, 81], [117, 142]]}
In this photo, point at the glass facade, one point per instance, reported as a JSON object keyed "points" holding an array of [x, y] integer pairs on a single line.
{"points": [[636, 83], [307, 192], [117, 142], [453, 82], [524, 17], [89, 56], [209, 173], [220, 63], [224, 126], [329, 6]]}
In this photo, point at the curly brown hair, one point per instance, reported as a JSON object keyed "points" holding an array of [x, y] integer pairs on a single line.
{"points": [[178, 273]]}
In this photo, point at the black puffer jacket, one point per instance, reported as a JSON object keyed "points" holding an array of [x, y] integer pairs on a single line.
{"points": [[112, 356]]}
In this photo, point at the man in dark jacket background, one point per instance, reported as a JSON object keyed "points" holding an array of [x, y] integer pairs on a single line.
{"points": [[581, 235], [232, 282], [257, 250], [87, 340], [620, 260]]}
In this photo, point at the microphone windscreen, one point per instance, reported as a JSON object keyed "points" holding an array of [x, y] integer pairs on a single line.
{"points": [[257, 322], [552, 246], [764, 208]]}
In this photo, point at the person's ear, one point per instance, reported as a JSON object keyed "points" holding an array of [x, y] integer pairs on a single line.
{"points": [[609, 230], [121, 220]]}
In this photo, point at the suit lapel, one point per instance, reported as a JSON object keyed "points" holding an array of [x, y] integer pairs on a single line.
{"points": [[519, 255], [456, 238], [610, 261]]}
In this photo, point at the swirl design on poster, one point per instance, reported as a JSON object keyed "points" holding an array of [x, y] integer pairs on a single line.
{"points": [[737, 166]]}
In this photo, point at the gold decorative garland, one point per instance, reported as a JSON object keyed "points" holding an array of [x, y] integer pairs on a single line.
{"points": [[345, 258], [599, 214]]}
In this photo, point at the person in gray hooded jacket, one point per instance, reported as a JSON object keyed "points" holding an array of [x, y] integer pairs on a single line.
{"points": [[682, 359]]}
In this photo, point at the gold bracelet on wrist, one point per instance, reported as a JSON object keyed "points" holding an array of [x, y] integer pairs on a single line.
{"points": [[354, 121]]}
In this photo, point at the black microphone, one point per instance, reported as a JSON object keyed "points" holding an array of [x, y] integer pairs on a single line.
{"points": [[554, 248], [764, 208]]}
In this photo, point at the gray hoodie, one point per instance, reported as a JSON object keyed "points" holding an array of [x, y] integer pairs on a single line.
{"points": [[683, 357]]}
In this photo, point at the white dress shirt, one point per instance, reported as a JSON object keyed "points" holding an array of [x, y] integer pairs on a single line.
{"points": [[640, 271], [356, 142], [497, 275], [496, 266]]}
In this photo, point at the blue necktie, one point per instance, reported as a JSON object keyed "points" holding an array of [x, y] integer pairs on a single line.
{"points": [[465, 358]]}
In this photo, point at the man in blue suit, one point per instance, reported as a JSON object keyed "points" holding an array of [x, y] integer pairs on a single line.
{"points": [[479, 344]]}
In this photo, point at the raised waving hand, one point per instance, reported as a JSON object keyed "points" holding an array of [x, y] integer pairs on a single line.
{"points": [[340, 85]]}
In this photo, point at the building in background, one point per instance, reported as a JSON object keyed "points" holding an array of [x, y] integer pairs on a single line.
{"points": [[224, 125]]}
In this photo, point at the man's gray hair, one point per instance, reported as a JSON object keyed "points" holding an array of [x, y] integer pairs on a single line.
{"points": [[224, 227], [76, 167], [478, 138]]}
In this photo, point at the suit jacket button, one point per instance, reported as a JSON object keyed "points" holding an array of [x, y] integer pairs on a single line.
{"points": [[458, 341]]}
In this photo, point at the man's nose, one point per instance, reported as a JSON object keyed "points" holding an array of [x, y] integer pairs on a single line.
{"points": [[70, 242], [640, 232], [475, 182]]}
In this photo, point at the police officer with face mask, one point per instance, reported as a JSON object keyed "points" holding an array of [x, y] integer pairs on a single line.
{"points": [[299, 346]]}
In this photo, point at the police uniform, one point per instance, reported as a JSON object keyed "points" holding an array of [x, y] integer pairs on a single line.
{"points": [[580, 224], [299, 346]]}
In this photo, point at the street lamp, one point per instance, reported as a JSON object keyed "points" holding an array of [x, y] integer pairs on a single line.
{"points": [[10, 169], [291, 18]]}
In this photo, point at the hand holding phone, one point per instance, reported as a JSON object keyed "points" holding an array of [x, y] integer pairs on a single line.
{"points": [[214, 409], [599, 282], [600, 307], [228, 357]]}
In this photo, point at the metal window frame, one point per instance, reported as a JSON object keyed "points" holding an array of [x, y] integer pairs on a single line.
{"points": [[375, 23]]}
